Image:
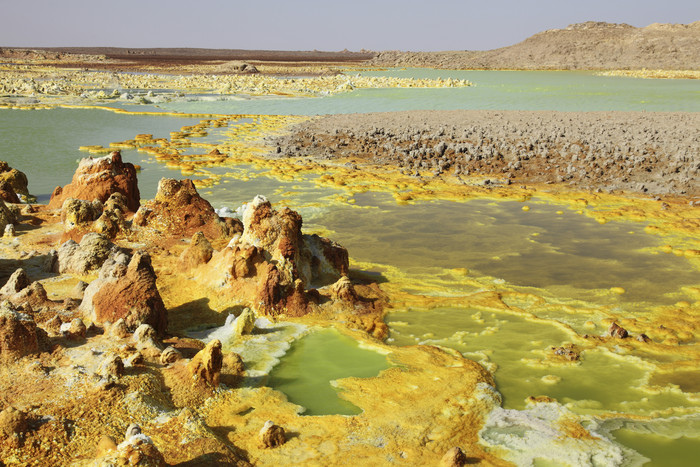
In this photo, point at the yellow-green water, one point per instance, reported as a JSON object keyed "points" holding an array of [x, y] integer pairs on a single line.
{"points": [[567, 263], [316, 360]]}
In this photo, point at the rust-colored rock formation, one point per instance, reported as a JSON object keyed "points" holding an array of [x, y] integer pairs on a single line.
{"points": [[271, 265], [126, 288], [179, 211], [308, 257], [99, 179]]}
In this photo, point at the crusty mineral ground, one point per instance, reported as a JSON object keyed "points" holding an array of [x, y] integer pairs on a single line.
{"points": [[654, 153]]}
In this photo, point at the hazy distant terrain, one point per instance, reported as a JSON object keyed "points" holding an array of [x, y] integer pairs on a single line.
{"points": [[585, 46]]}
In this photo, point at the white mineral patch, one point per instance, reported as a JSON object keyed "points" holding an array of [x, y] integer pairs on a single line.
{"points": [[671, 428], [90, 161], [262, 349], [226, 212], [524, 436]]}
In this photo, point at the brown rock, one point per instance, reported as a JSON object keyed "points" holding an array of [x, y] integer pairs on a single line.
{"points": [[16, 179], [112, 366], [17, 282], [18, 334], [179, 211], [277, 232], [170, 355], [12, 422], [567, 352], [643, 338], [311, 258], [617, 331], [206, 366], [244, 261], [455, 457], [119, 329], [140, 451], [137, 449], [327, 260], [7, 215], [232, 370], [344, 290], [269, 290], [199, 251], [53, 326], [295, 302], [98, 179], [7, 193], [126, 291], [272, 435], [33, 296], [77, 329]]}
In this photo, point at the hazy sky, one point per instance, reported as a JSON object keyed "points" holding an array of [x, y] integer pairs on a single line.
{"points": [[315, 24]]}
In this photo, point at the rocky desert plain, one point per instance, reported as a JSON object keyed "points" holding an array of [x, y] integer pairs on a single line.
{"points": [[101, 288]]}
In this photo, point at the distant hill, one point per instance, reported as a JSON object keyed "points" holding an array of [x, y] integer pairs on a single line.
{"points": [[584, 46]]}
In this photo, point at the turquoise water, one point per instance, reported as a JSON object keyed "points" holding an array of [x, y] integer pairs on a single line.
{"points": [[496, 90]]}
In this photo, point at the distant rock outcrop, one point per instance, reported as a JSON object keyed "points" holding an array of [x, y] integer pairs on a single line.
{"points": [[98, 179], [585, 46]]}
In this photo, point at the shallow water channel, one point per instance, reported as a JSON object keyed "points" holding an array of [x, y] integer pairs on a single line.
{"points": [[554, 269]]}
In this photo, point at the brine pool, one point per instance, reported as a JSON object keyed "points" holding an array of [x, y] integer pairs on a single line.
{"points": [[498, 283]]}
